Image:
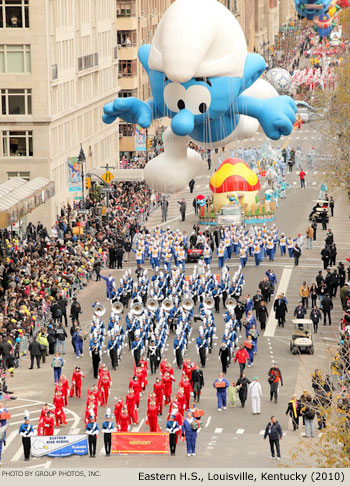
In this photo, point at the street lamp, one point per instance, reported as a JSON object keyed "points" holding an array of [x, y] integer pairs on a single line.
{"points": [[82, 159]]}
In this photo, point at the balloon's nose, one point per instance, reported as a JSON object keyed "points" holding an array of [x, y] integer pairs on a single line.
{"points": [[183, 123]]}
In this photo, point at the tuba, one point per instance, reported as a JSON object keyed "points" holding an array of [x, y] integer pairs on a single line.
{"points": [[230, 304], [117, 308], [187, 304], [167, 305], [208, 303], [137, 309], [152, 305], [100, 310]]}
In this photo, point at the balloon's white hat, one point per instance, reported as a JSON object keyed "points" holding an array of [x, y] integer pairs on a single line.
{"points": [[198, 38]]}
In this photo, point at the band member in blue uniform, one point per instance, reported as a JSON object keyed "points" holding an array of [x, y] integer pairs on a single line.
{"points": [[107, 429], [26, 431], [92, 430]]}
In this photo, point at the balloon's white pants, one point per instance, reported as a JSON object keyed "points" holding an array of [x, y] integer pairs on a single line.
{"points": [[256, 404]]}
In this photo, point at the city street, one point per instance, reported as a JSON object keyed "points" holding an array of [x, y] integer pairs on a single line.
{"points": [[234, 437]]}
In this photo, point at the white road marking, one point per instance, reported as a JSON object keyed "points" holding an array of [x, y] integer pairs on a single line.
{"points": [[56, 432], [74, 431], [11, 437], [262, 432], [283, 286], [218, 431], [240, 431], [21, 414], [208, 422], [18, 455], [137, 429], [23, 406]]}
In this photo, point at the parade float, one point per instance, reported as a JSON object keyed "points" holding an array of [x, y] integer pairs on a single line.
{"points": [[235, 198]]}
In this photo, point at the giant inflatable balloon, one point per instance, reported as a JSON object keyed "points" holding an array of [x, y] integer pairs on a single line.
{"points": [[205, 81], [310, 9]]}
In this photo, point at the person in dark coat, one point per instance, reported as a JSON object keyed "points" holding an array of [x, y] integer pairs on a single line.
{"points": [[119, 253], [293, 410], [111, 256], [97, 270], [242, 386], [280, 308], [262, 315], [315, 316], [327, 306], [191, 185], [197, 382], [51, 338], [182, 209], [274, 432], [324, 219], [35, 352], [325, 255], [5, 352], [62, 305], [224, 354]]}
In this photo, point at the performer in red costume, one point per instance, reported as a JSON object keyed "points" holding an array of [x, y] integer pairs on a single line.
{"points": [[136, 386], [118, 409], [104, 386], [152, 416], [158, 388], [124, 420], [130, 402], [168, 382], [77, 377], [48, 424], [58, 402]]}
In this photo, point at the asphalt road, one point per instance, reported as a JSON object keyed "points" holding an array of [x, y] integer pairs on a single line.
{"points": [[232, 438]]}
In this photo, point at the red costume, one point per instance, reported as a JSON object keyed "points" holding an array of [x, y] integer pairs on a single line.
{"points": [[130, 402], [48, 425], [158, 388], [124, 421], [117, 410], [168, 382], [76, 384], [186, 385], [58, 402], [152, 416], [136, 386], [104, 386], [182, 400]]}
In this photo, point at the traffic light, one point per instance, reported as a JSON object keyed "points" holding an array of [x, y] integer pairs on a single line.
{"points": [[88, 183]]}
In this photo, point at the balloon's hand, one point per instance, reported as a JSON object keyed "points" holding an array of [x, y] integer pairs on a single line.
{"points": [[277, 116], [131, 110]]}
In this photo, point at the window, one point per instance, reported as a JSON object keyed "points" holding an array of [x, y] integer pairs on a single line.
{"points": [[16, 101], [22, 175], [14, 14], [126, 38], [126, 129], [87, 62], [15, 59], [126, 9], [126, 93], [128, 68], [17, 144], [54, 72]]}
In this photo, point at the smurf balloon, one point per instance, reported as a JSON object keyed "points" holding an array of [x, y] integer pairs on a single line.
{"points": [[205, 81], [310, 9]]}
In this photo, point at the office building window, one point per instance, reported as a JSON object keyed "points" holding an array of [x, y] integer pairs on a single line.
{"points": [[17, 144], [127, 93], [126, 8], [16, 101], [126, 130], [128, 68], [15, 58], [22, 175], [14, 14], [126, 38]]}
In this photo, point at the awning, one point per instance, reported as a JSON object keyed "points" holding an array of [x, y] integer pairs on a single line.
{"points": [[22, 198]]}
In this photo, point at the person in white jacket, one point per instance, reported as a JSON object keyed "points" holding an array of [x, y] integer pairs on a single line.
{"points": [[255, 394]]}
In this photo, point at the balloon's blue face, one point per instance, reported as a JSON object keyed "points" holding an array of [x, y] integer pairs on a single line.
{"points": [[194, 103], [203, 97]]}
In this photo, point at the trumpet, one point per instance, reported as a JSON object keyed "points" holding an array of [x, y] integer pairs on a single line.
{"points": [[100, 310], [209, 303], [137, 309], [117, 308], [187, 303], [152, 305], [230, 304], [167, 305]]}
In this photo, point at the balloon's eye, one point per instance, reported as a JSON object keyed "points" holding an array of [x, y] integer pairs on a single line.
{"points": [[203, 107], [198, 99], [174, 97]]}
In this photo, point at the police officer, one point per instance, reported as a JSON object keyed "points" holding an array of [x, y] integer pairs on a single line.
{"points": [[107, 429]]}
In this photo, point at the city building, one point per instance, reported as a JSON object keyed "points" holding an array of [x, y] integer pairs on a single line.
{"points": [[137, 21], [58, 68]]}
